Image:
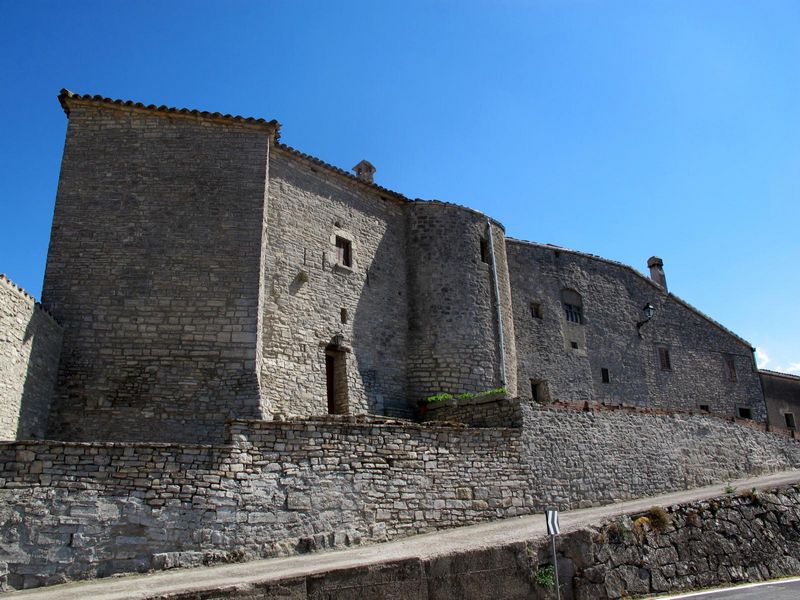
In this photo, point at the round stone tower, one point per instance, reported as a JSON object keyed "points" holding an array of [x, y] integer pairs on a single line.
{"points": [[461, 327]]}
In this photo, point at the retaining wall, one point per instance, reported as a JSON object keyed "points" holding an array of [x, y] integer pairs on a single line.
{"points": [[77, 510]]}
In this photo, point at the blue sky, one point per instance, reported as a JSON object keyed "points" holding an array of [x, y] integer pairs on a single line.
{"points": [[624, 129]]}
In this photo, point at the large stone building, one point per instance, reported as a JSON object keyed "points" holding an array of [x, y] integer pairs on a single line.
{"points": [[207, 284], [202, 270]]}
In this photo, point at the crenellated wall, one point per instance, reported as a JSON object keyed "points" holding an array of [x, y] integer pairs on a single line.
{"points": [[30, 344]]}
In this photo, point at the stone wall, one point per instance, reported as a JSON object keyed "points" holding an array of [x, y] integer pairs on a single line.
{"points": [[311, 297], [280, 488], [580, 459], [568, 359], [782, 397], [745, 536], [481, 411], [452, 316], [154, 269], [30, 343]]}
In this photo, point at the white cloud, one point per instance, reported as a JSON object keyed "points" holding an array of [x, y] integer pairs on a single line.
{"points": [[762, 358]]}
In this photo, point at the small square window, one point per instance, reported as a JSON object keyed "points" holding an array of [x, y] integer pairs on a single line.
{"points": [[344, 251], [574, 345], [704, 408], [605, 375], [789, 418], [664, 361], [744, 413], [536, 310]]}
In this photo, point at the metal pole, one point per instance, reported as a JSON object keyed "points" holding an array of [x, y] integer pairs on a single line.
{"points": [[555, 567], [501, 341]]}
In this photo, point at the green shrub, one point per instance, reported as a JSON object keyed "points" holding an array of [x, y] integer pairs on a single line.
{"points": [[546, 576], [436, 398]]}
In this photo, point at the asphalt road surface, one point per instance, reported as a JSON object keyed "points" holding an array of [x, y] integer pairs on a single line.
{"points": [[771, 590]]}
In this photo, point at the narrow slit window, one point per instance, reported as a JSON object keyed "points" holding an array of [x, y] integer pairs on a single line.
{"points": [[605, 376], [536, 310], [344, 251], [664, 360], [730, 368], [484, 250], [343, 315]]}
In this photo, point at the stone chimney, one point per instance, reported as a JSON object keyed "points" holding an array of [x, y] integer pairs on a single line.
{"points": [[364, 171], [656, 266]]}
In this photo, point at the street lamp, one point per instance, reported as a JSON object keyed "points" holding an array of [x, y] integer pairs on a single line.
{"points": [[648, 310]]}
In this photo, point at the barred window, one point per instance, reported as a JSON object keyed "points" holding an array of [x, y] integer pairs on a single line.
{"points": [[573, 306]]}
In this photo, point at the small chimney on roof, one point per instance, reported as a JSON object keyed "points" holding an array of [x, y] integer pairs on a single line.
{"points": [[364, 171], [656, 266]]}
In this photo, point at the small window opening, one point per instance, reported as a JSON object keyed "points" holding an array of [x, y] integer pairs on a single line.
{"points": [[539, 391], [664, 359], [536, 310], [730, 368], [705, 408], [573, 306], [604, 375], [484, 250], [744, 413], [343, 315], [344, 251], [574, 345], [789, 418]]}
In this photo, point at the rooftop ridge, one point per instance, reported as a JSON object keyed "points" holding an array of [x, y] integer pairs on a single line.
{"points": [[779, 374], [642, 276], [25, 294], [66, 95]]}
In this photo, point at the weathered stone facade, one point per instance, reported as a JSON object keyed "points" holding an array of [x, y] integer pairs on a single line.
{"points": [[30, 343], [782, 397], [280, 487], [204, 271], [615, 342]]}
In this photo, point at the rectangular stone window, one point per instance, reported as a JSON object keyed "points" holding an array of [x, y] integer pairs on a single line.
{"points": [[539, 391], [573, 345], [704, 408], [664, 361], [536, 310], [730, 368], [605, 375], [485, 250], [343, 315], [744, 413], [344, 251], [789, 418], [573, 313]]}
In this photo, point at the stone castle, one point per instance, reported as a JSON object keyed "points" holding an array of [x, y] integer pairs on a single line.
{"points": [[235, 342]]}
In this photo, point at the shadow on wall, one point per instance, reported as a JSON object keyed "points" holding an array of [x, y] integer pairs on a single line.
{"points": [[40, 375], [380, 327]]}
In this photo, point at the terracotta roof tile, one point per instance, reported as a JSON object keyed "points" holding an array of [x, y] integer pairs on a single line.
{"points": [[65, 96]]}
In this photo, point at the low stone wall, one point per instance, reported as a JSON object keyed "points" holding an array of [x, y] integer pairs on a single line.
{"points": [[76, 510], [745, 536], [30, 344], [489, 411]]}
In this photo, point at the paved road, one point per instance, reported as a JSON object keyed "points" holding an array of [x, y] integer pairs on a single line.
{"points": [[496, 533], [772, 590]]}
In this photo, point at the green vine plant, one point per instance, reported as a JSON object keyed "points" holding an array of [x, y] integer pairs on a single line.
{"points": [[546, 576], [465, 396]]}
